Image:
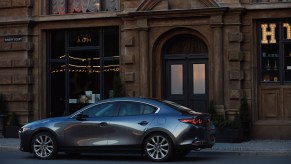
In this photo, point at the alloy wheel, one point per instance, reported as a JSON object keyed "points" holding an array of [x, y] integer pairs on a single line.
{"points": [[44, 146], [158, 147]]}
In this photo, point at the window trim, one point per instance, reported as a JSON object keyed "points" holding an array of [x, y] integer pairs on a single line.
{"points": [[281, 42]]}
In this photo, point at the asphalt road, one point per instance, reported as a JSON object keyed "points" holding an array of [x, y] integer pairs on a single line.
{"points": [[17, 157]]}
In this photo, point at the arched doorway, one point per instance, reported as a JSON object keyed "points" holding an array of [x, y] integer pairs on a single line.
{"points": [[185, 71]]}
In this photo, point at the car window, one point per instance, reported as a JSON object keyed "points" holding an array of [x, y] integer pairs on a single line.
{"points": [[135, 108], [100, 110], [179, 107]]}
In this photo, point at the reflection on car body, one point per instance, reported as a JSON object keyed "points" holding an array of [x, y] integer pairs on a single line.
{"points": [[160, 129]]}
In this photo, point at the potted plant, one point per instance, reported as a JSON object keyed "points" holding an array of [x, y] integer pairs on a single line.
{"points": [[117, 86], [3, 108], [245, 118], [12, 127], [226, 130]]}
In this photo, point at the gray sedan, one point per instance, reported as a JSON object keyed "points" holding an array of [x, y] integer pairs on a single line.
{"points": [[160, 129]]}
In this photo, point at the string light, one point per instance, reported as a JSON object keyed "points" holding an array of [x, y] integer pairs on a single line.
{"points": [[109, 68], [86, 68]]}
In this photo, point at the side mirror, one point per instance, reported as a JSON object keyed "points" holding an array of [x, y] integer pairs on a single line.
{"points": [[81, 117]]}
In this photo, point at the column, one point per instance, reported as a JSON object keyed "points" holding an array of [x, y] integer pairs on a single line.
{"points": [[144, 57]]}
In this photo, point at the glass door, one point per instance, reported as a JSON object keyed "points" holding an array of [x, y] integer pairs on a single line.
{"points": [[84, 78], [187, 83]]}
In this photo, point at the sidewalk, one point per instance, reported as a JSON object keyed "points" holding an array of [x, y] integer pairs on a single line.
{"points": [[257, 147]]}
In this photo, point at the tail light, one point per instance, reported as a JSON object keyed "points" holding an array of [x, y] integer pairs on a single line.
{"points": [[194, 121]]}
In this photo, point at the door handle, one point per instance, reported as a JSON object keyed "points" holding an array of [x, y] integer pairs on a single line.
{"points": [[103, 124], [143, 123]]}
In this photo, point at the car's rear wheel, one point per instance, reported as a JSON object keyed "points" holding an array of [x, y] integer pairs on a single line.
{"points": [[159, 147], [44, 146]]}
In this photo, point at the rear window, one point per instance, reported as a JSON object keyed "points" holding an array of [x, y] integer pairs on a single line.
{"points": [[179, 108]]}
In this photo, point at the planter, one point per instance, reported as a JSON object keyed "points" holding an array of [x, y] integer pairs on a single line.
{"points": [[11, 131], [228, 135]]}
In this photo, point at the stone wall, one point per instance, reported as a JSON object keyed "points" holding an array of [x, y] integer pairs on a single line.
{"points": [[16, 48]]}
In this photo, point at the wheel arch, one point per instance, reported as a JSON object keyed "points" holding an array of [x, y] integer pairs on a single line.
{"points": [[158, 130], [41, 130]]}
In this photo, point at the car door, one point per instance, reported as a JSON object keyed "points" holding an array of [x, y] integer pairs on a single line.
{"points": [[91, 128], [131, 122]]}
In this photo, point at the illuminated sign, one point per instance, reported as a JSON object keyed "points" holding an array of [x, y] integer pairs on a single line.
{"points": [[266, 33], [269, 32], [83, 39], [288, 29]]}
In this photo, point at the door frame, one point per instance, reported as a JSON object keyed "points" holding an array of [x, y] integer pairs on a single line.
{"points": [[187, 62]]}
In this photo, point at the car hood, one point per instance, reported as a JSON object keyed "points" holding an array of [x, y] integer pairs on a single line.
{"points": [[44, 121]]}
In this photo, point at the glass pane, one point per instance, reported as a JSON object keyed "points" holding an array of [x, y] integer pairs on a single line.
{"points": [[110, 5], [130, 109], [199, 78], [84, 6], [57, 89], [102, 110], [270, 63], [111, 42], [84, 37], [58, 44], [58, 6], [84, 78], [111, 71], [287, 66], [177, 79]]}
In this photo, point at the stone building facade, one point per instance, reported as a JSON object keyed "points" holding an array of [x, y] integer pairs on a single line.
{"points": [[191, 52]]}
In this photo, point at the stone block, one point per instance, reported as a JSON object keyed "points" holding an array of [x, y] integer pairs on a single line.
{"points": [[129, 59], [130, 5], [235, 66], [22, 79], [129, 42], [216, 20], [5, 3], [21, 3], [235, 94], [245, 1], [4, 80], [22, 63], [5, 64], [5, 46], [163, 5], [129, 76], [26, 46], [236, 75], [22, 97], [235, 55], [235, 37]]}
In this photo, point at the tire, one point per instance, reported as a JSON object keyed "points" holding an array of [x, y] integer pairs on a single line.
{"points": [[44, 146], [158, 147]]}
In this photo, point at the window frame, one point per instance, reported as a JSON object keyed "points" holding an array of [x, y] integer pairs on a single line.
{"points": [[102, 8], [280, 57]]}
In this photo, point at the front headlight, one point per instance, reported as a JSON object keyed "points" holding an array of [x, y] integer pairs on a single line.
{"points": [[23, 129]]}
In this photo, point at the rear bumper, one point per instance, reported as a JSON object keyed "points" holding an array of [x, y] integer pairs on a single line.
{"points": [[197, 138]]}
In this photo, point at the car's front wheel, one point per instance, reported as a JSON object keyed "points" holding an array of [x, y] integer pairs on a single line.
{"points": [[159, 147], [44, 146]]}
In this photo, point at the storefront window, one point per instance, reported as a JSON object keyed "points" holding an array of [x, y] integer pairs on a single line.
{"points": [[60, 7], [275, 51], [78, 61]]}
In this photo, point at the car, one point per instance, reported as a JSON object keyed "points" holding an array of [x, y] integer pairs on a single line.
{"points": [[160, 129]]}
